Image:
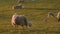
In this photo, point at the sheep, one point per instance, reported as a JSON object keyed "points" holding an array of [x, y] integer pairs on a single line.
{"points": [[58, 16], [18, 6], [20, 20], [51, 14]]}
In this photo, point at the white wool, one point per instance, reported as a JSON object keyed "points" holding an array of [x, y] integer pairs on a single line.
{"points": [[14, 17], [58, 15]]}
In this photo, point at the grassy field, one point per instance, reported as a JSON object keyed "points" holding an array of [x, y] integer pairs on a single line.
{"points": [[35, 11]]}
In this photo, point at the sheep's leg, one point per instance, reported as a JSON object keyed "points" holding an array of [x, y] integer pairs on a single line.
{"points": [[23, 27]]}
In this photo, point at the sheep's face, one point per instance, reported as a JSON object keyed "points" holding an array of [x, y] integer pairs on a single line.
{"points": [[29, 26]]}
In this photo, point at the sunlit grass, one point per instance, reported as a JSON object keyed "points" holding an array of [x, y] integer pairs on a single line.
{"points": [[34, 15]]}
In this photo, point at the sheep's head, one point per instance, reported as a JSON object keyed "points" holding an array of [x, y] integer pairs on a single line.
{"points": [[29, 26]]}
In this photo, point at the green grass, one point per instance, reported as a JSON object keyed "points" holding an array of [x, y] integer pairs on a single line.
{"points": [[34, 13]]}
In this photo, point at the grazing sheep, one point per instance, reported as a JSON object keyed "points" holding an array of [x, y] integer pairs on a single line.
{"points": [[20, 20], [51, 14], [19, 6], [58, 16]]}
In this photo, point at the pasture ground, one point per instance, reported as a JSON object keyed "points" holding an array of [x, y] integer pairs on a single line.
{"points": [[36, 12]]}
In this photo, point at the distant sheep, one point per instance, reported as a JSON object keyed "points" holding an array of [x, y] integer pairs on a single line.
{"points": [[51, 14], [58, 16], [20, 20], [19, 6]]}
